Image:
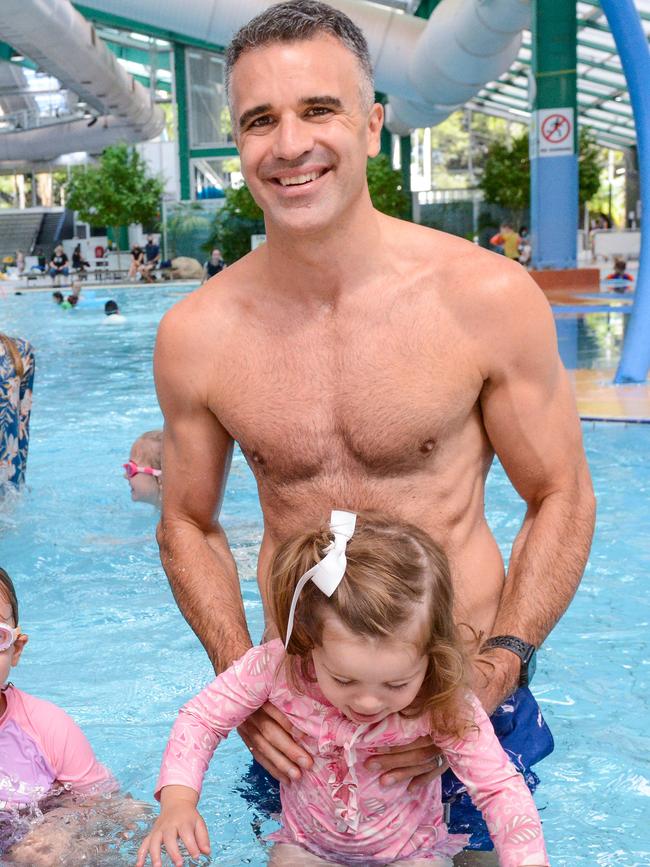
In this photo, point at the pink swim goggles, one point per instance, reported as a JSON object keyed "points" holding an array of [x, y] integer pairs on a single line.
{"points": [[132, 469], [8, 635]]}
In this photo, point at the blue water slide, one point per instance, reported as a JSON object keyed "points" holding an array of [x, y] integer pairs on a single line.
{"points": [[632, 45]]}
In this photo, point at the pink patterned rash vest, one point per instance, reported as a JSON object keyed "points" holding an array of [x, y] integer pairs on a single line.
{"points": [[338, 808]]}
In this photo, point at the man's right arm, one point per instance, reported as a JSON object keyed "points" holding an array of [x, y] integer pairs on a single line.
{"points": [[196, 458]]}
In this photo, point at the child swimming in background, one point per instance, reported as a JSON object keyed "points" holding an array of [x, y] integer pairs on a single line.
{"points": [[112, 315], [143, 470], [620, 277], [371, 659]]}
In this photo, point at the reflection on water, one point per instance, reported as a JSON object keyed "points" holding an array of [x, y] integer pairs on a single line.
{"points": [[592, 340]]}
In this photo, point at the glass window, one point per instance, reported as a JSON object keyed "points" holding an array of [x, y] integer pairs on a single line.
{"points": [[211, 176], [209, 117]]}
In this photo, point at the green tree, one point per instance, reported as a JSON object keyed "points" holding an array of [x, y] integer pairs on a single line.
{"points": [[238, 219], [506, 178], [385, 185], [116, 192]]}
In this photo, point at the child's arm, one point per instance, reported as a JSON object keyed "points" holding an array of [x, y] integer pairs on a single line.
{"points": [[499, 792], [209, 717], [201, 724]]}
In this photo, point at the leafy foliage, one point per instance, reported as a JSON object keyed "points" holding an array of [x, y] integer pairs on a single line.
{"points": [[234, 224], [506, 179], [116, 192], [186, 224], [385, 185]]}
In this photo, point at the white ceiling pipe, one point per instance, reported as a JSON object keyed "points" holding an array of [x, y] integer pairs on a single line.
{"points": [[466, 43], [428, 68], [63, 137], [62, 42], [12, 76]]}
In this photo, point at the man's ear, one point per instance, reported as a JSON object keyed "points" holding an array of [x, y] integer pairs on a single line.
{"points": [[375, 123], [18, 648]]}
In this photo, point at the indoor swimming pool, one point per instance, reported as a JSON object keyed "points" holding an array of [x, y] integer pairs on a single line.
{"points": [[108, 643]]}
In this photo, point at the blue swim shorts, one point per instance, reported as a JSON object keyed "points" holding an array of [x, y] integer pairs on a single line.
{"points": [[522, 732]]}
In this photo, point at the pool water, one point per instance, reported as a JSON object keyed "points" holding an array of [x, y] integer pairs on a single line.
{"points": [[108, 644]]}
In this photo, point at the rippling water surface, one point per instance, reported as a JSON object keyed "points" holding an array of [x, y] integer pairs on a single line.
{"points": [[108, 643]]}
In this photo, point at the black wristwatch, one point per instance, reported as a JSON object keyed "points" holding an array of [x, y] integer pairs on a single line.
{"points": [[526, 653]]}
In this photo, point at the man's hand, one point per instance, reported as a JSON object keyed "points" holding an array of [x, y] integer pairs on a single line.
{"points": [[419, 761], [268, 734]]}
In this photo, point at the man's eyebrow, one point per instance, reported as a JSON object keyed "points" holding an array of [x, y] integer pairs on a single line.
{"points": [[253, 112], [332, 101]]}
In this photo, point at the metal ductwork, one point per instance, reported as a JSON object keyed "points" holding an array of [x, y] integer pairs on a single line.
{"points": [[63, 43], [428, 68]]}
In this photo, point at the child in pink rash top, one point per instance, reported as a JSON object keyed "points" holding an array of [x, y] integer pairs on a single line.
{"points": [[372, 659], [40, 746]]}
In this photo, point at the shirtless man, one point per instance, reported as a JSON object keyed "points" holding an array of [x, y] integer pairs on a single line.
{"points": [[361, 362]]}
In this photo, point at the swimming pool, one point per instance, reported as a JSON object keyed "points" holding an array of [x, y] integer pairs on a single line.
{"points": [[108, 644]]}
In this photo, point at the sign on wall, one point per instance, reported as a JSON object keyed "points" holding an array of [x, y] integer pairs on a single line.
{"points": [[553, 132]]}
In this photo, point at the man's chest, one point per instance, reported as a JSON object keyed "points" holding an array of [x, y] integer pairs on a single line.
{"points": [[382, 398]]}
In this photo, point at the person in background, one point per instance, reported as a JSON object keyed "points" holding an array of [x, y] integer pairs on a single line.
{"points": [[57, 297], [619, 277], [507, 240], [214, 265], [525, 249], [42, 261], [20, 262], [16, 382], [79, 264], [112, 314], [58, 264], [151, 255], [137, 261], [143, 470]]}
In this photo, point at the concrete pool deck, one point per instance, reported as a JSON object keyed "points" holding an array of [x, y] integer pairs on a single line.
{"points": [[597, 397]]}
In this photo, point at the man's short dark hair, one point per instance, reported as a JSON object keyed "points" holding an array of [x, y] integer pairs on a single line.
{"points": [[296, 20]]}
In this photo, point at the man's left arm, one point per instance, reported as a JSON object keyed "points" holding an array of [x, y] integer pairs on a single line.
{"points": [[531, 420]]}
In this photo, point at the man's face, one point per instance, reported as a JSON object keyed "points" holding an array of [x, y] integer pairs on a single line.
{"points": [[303, 134]]}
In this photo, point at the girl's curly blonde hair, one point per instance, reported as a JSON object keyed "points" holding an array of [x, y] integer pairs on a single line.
{"points": [[394, 571]]}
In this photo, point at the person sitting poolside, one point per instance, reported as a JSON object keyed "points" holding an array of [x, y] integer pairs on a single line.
{"points": [[113, 315], [214, 265], [58, 264], [143, 470], [620, 277]]}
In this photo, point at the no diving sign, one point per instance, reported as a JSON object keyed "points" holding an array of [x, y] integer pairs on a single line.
{"points": [[554, 132]]}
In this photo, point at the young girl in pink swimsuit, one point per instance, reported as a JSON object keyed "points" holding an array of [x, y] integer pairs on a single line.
{"points": [[371, 659], [50, 780]]}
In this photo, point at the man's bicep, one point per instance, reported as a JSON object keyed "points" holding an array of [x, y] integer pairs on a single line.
{"points": [[196, 448], [529, 411]]}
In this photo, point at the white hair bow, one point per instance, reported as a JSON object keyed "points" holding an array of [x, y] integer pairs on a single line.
{"points": [[327, 574]]}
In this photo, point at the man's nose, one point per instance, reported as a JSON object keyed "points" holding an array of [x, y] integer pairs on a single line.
{"points": [[293, 138]]}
